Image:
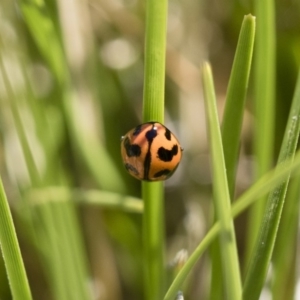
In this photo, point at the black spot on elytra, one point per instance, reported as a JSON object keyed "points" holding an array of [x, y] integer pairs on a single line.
{"points": [[151, 134], [132, 169], [167, 155], [131, 149], [137, 130], [164, 172], [168, 134]]}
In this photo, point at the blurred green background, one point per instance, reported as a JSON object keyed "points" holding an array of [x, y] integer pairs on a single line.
{"points": [[71, 84]]}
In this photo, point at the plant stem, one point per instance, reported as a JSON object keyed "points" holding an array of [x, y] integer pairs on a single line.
{"points": [[153, 235], [155, 60], [153, 110], [264, 105]]}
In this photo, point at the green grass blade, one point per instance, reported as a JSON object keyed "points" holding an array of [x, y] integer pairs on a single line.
{"points": [[191, 262], [265, 184], [13, 104], [62, 247], [11, 252], [264, 105], [221, 193], [285, 251], [216, 281], [153, 110], [103, 199], [235, 98], [72, 249], [53, 263], [231, 128], [68, 274], [91, 149], [264, 84], [260, 260], [253, 194], [45, 34]]}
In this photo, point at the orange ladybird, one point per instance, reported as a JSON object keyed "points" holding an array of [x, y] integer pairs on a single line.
{"points": [[150, 152]]}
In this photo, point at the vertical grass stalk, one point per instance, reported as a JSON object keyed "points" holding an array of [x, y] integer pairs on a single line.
{"points": [[153, 110], [264, 104]]}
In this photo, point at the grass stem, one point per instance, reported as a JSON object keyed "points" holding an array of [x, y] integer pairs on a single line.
{"points": [[153, 110]]}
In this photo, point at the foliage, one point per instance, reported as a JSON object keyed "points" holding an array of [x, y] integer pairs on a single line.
{"points": [[75, 76]]}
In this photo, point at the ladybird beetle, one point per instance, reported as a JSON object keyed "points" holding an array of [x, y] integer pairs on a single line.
{"points": [[150, 152]]}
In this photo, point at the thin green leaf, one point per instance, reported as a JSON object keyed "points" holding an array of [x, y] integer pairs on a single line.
{"points": [[72, 248], [285, 251], [44, 32], [231, 129], [61, 227], [260, 260], [235, 98], [13, 104], [221, 193], [186, 269], [11, 252], [89, 146], [100, 198], [60, 239], [91, 149]]}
